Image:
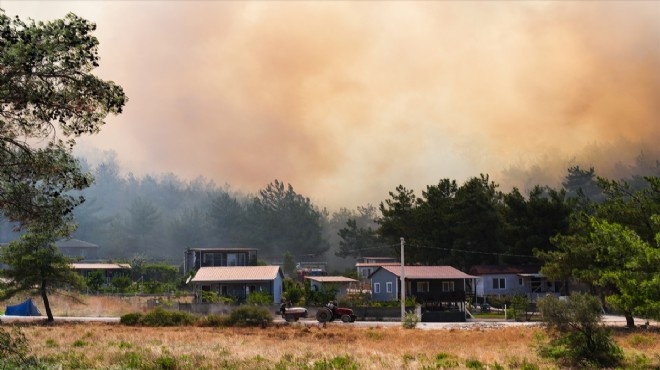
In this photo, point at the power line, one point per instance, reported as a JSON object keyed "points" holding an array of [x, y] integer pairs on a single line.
{"points": [[454, 250]]}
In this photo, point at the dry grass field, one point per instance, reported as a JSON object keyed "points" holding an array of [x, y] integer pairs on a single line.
{"points": [[103, 346]]}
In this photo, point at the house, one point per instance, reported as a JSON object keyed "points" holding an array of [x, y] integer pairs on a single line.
{"points": [[239, 281], [109, 270], [305, 269], [441, 290], [366, 265], [195, 258], [340, 283], [513, 280], [75, 248]]}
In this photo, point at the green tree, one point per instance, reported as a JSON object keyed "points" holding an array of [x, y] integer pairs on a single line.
{"points": [[36, 266], [289, 265], [531, 222], [47, 91], [282, 219], [578, 336], [95, 280], [617, 262]]}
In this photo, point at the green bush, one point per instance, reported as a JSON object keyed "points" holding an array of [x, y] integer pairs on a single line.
{"points": [[14, 350], [260, 298], [578, 338], [161, 317], [131, 319], [250, 316]]}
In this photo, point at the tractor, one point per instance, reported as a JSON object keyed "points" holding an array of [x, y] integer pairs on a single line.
{"points": [[331, 313]]}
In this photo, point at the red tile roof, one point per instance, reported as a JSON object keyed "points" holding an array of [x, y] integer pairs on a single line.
{"points": [[236, 273], [429, 272]]}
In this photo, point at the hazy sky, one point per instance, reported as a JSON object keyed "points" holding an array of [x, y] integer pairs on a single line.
{"points": [[347, 100]]}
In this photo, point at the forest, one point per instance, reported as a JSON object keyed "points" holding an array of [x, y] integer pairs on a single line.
{"points": [[156, 217]]}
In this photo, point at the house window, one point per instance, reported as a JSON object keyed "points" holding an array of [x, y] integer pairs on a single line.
{"points": [[366, 272], [520, 281], [388, 287], [422, 287], [447, 286], [376, 287], [499, 283]]}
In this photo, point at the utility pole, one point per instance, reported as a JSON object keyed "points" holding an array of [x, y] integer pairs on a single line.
{"points": [[403, 284]]}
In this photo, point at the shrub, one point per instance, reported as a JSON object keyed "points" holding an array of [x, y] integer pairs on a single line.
{"points": [[410, 320], [14, 350], [260, 298], [161, 317], [250, 316], [578, 337], [131, 319]]}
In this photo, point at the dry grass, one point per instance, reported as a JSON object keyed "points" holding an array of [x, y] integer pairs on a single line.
{"points": [[97, 345]]}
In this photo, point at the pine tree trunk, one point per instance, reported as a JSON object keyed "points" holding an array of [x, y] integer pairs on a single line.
{"points": [[630, 321], [44, 296]]}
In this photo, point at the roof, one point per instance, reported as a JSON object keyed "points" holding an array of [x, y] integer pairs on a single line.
{"points": [[427, 272], [74, 243], [377, 264], [503, 270], [214, 249], [237, 273], [100, 266], [331, 279]]}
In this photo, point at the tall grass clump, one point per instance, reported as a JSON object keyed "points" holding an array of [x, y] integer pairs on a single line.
{"points": [[14, 350]]}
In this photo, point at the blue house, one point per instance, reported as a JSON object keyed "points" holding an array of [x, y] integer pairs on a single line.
{"points": [[442, 291]]}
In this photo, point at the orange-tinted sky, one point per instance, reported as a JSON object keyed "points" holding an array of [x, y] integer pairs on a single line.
{"points": [[347, 100]]}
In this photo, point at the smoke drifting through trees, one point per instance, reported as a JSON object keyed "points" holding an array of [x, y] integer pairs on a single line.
{"points": [[320, 92]]}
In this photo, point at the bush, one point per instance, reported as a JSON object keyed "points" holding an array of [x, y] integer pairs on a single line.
{"points": [[131, 319], [250, 316], [14, 350], [161, 317], [260, 298], [578, 338], [410, 320]]}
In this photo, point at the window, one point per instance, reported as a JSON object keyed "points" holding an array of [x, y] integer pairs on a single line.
{"points": [[422, 287], [447, 286], [520, 281], [376, 287], [388, 287], [499, 283], [366, 272]]}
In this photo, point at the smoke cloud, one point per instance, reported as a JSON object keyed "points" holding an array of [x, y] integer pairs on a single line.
{"points": [[347, 100]]}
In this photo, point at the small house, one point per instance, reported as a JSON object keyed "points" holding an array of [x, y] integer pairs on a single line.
{"points": [[366, 265], [238, 282], [339, 283], [109, 270], [442, 291], [195, 258], [496, 280], [75, 248]]}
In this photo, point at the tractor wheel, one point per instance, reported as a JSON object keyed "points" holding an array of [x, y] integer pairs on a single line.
{"points": [[323, 315], [289, 318], [346, 318]]}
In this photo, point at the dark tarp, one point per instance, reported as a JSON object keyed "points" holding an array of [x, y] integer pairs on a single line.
{"points": [[27, 308]]}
